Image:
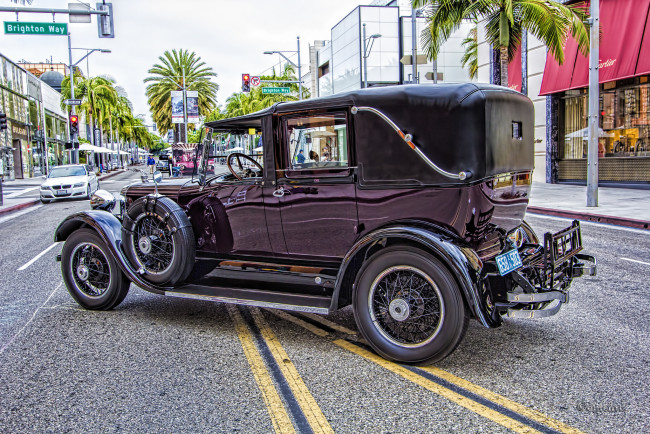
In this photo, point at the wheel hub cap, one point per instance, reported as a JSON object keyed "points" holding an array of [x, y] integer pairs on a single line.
{"points": [[399, 309], [145, 245], [82, 272]]}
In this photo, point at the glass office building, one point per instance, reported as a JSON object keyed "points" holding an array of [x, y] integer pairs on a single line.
{"points": [[341, 61]]}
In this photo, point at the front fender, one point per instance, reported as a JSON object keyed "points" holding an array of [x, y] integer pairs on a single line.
{"points": [[109, 228], [463, 263]]}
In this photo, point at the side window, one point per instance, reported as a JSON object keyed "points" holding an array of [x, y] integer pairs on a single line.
{"points": [[317, 141]]}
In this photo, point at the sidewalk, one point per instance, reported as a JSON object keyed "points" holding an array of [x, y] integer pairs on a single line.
{"points": [[19, 202], [618, 206]]}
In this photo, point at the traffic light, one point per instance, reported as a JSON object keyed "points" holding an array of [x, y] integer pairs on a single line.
{"points": [[74, 124], [105, 22], [245, 82], [3, 121]]}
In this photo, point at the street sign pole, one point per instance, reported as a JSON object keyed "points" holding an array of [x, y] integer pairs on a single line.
{"points": [[74, 152], [299, 73], [592, 144]]}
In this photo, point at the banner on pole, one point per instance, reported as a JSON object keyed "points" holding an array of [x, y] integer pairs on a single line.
{"points": [[192, 97], [177, 107]]}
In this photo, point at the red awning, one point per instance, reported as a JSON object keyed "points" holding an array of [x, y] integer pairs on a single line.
{"points": [[514, 71], [622, 30], [643, 67], [557, 78]]}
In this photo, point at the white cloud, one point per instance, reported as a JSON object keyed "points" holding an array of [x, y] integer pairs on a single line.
{"points": [[229, 36]]}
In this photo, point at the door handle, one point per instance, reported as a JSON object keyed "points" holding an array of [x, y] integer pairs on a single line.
{"points": [[279, 192]]}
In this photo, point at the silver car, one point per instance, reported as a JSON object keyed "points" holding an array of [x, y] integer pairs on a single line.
{"points": [[74, 180]]}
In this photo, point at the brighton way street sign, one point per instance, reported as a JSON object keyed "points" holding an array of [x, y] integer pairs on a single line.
{"points": [[72, 102], [23, 28], [276, 90]]}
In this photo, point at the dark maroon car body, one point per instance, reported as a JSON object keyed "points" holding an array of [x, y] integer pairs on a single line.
{"points": [[297, 236]]}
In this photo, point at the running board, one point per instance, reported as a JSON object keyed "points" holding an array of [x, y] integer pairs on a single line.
{"points": [[252, 297]]}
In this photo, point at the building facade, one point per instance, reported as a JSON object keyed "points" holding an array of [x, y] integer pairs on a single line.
{"points": [[24, 146], [343, 60], [560, 95]]}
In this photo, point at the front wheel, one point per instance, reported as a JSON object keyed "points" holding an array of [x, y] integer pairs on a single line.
{"points": [[408, 306], [90, 273]]}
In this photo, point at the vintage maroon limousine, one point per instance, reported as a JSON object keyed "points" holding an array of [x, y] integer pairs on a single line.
{"points": [[406, 202]]}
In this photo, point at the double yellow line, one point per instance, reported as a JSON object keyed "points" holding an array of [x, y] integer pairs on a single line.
{"points": [[486, 403], [264, 352]]}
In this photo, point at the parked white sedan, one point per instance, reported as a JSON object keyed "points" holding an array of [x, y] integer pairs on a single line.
{"points": [[74, 180]]}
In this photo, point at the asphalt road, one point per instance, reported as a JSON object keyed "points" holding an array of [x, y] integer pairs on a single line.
{"points": [[167, 365]]}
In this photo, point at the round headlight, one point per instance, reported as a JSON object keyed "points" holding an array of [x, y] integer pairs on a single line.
{"points": [[102, 200], [517, 237]]}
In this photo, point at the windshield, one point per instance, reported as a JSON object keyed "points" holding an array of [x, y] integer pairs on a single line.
{"points": [[60, 172]]}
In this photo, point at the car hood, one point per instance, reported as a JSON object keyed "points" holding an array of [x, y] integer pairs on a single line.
{"points": [[169, 187], [65, 180]]}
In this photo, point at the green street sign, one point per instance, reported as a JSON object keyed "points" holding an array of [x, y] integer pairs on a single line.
{"points": [[23, 28], [276, 90]]}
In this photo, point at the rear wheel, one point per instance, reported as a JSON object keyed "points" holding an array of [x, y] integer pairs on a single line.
{"points": [[408, 306], [90, 273]]}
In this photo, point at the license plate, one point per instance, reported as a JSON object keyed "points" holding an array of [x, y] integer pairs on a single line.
{"points": [[508, 261], [61, 192]]}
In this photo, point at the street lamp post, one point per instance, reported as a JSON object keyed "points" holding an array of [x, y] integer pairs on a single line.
{"points": [[292, 63], [75, 151], [367, 48]]}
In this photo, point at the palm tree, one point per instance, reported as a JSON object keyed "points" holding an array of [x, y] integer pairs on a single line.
{"points": [[549, 21], [168, 75], [470, 57], [97, 96]]}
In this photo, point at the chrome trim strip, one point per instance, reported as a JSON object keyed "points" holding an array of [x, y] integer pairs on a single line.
{"points": [[245, 302], [408, 138]]}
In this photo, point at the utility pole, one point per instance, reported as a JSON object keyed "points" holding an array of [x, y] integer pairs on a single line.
{"points": [[365, 59], [184, 106], [74, 152], [299, 72], [592, 149], [414, 46]]}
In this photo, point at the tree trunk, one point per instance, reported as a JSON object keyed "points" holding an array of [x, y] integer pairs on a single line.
{"points": [[503, 61]]}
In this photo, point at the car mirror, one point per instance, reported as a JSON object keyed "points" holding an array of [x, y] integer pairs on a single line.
{"points": [[157, 177], [102, 200]]}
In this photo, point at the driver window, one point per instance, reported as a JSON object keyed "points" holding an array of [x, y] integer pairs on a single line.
{"points": [[317, 141]]}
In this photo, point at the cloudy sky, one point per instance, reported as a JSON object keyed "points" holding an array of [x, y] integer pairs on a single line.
{"points": [[229, 35]]}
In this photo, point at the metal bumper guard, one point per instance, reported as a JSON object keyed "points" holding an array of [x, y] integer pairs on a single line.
{"points": [[550, 270]]}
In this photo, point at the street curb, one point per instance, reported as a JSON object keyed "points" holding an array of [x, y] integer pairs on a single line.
{"points": [[112, 174], [596, 218], [19, 206]]}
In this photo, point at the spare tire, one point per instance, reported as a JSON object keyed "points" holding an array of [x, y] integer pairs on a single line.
{"points": [[159, 240]]}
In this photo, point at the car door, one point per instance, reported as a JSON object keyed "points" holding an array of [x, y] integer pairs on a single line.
{"points": [[316, 194]]}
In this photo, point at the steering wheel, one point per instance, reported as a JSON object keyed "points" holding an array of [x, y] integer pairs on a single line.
{"points": [[246, 172]]}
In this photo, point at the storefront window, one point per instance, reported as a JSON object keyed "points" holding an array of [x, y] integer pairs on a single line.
{"points": [[624, 129]]}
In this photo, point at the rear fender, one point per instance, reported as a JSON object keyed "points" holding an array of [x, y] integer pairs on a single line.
{"points": [[463, 263], [109, 228]]}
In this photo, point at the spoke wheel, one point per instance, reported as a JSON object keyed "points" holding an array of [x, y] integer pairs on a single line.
{"points": [[159, 240], [154, 245], [90, 269], [405, 304], [408, 306], [90, 272]]}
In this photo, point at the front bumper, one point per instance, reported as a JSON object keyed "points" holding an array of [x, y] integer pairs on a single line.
{"points": [[540, 287], [52, 194]]}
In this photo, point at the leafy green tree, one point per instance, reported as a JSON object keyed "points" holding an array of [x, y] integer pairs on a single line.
{"points": [[550, 21], [470, 57], [167, 76]]}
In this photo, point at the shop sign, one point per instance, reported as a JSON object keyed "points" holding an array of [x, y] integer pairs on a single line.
{"points": [[18, 131]]}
